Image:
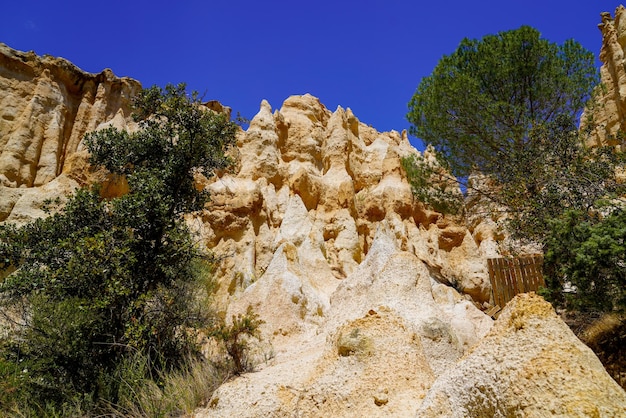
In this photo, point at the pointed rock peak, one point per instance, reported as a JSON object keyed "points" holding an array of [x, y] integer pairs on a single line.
{"points": [[296, 225], [383, 245], [264, 119], [337, 117], [351, 117], [353, 122], [278, 117], [265, 105]]}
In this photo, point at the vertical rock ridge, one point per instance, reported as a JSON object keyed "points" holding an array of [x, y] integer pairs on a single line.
{"points": [[47, 106]]}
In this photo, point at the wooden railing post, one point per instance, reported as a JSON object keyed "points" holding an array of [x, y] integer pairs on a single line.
{"points": [[510, 276]]}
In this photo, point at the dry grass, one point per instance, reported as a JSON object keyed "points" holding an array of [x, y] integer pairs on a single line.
{"points": [[179, 393], [600, 328], [606, 335]]}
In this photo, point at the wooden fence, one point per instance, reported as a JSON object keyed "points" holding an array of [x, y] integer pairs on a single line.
{"points": [[512, 275]]}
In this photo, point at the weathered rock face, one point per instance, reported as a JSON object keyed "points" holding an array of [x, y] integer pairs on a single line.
{"points": [[529, 365], [356, 283], [369, 299], [609, 107], [378, 343], [319, 183], [47, 105]]}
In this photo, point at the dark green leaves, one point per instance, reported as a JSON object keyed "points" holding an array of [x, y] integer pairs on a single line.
{"points": [[589, 251], [480, 103], [506, 108]]}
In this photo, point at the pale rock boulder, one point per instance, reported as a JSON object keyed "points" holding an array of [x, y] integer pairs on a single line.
{"points": [[275, 203], [399, 281], [487, 237], [372, 366], [529, 365], [32, 203], [390, 195]]}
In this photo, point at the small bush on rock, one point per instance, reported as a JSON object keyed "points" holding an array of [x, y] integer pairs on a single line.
{"points": [[235, 338]]}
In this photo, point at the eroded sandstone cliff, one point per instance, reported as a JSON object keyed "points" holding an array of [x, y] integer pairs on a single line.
{"points": [[324, 181], [47, 105], [609, 105], [361, 288], [370, 300]]}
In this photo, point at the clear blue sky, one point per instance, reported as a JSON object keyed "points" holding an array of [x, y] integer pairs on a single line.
{"points": [[367, 55]]}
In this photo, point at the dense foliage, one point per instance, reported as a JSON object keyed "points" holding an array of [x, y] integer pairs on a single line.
{"points": [[556, 171], [589, 251], [506, 107], [501, 115], [481, 103], [106, 279]]}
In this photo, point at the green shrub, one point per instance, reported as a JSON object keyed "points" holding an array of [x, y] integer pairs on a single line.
{"points": [[235, 337], [589, 251]]}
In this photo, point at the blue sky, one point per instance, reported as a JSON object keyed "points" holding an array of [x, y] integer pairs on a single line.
{"points": [[367, 55]]}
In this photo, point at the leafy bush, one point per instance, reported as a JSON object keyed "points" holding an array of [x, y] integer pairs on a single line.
{"points": [[588, 250], [235, 337]]}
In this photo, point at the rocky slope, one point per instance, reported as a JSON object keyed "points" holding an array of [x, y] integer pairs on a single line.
{"points": [[370, 300]]}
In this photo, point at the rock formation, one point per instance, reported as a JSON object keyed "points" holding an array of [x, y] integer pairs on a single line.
{"points": [[362, 288], [609, 106], [529, 365], [47, 105], [323, 182], [373, 349], [370, 300]]}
